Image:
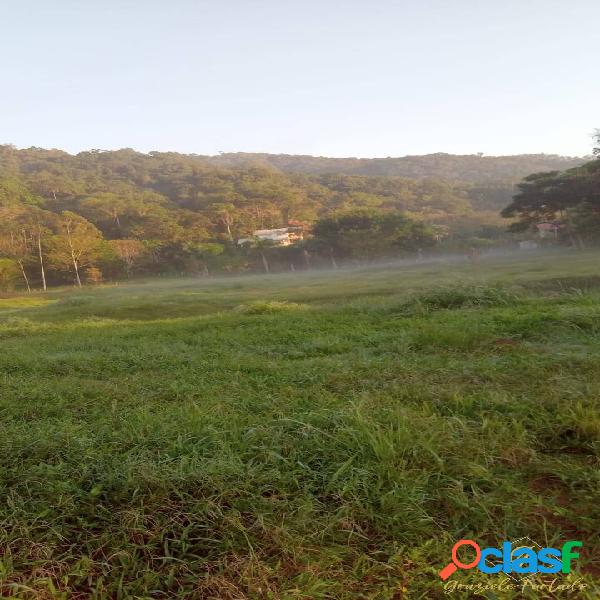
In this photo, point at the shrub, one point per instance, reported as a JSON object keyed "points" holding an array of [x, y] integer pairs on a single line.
{"points": [[460, 296], [260, 307], [93, 275], [9, 273]]}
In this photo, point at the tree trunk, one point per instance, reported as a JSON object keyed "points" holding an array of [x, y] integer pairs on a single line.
{"points": [[333, 261], [306, 257], [41, 256], [24, 276], [77, 278], [73, 258], [229, 231], [265, 262]]}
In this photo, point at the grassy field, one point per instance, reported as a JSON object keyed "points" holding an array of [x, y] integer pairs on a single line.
{"points": [[315, 435]]}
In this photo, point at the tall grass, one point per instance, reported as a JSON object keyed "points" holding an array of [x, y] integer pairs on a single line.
{"points": [[320, 436]]}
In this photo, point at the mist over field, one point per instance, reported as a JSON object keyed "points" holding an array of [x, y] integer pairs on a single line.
{"points": [[329, 431]]}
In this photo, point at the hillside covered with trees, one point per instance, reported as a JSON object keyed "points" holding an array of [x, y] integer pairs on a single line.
{"points": [[112, 214], [472, 168]]}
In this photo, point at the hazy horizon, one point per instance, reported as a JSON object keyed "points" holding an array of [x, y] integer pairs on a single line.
{"points": [[283, 153], [399, 78]]}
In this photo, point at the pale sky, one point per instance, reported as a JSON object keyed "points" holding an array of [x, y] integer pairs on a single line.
{"points": [[334, 78]]}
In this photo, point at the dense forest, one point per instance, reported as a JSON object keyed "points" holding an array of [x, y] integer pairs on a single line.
{"points": [[112, 214], [472, 168]]}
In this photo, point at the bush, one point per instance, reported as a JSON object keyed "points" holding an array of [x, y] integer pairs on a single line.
{"points": [[9, 273], [460, 296], [93, 275], [260, 307]]}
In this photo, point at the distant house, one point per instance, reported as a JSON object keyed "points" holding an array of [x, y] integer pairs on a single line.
{"points": [[528, 245], [284, 236]]}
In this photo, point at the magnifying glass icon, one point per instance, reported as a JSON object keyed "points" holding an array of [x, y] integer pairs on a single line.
{"points": [[457, 564]]}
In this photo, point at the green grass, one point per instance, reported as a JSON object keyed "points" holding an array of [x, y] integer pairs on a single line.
{"points": [[316, 435]]}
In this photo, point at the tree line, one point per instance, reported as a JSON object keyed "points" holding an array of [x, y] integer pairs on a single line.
{"points": [[105, 215], [108, 215]]}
